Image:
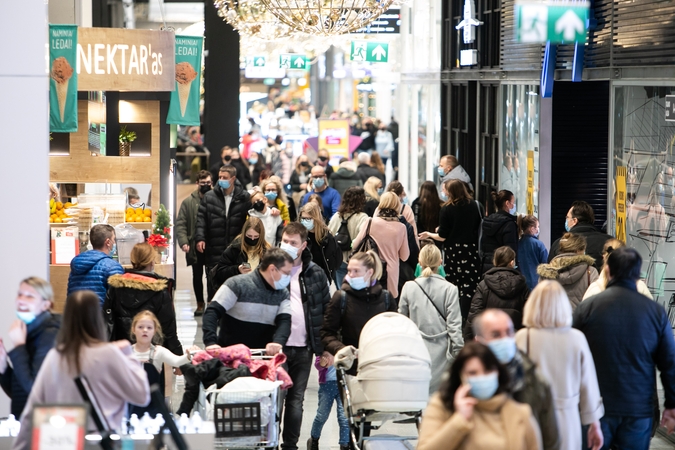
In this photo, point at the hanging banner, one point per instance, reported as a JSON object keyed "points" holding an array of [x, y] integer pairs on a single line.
{"points": [[184, 106], [621, 203], [530, 182], [62, 78]]}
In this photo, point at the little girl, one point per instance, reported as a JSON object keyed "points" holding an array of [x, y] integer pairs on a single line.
{"points": [[531, 251], [328, 392], [146, 330]]}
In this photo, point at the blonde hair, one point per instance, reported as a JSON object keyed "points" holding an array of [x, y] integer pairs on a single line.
{"points": [[572, 243], [281, 194], [371, 261], [313, 210], [389, 200], [142, 255], [158, 337], [430, 260], [300, 160], [262, 246], [548, 307], [370, 186]]}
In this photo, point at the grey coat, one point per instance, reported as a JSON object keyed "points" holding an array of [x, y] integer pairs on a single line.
{"points": [[575, 272], [442, 335]]}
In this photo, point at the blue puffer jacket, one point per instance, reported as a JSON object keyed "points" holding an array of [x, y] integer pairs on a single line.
{"points": [[90, 271]]}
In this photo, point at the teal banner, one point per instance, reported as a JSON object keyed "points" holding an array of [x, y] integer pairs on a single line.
{"points": [[62, 78], [184, 106]]}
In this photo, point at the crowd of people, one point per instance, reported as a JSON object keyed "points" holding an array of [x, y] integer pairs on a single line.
{"points": [[530, 349]]}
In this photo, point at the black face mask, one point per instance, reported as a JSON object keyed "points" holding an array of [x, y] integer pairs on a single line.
{"points": [[251, 242], [204, 188], [227, 158], [304, 164], [323, 159], [259, 206]]}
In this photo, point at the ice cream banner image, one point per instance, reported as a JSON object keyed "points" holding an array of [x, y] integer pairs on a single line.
{"points": [[62, 78], [184, 106]]}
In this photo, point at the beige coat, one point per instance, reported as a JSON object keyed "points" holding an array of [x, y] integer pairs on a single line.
{"points": [[499, 423], [563, 357], [354, 224], [574, 272]]}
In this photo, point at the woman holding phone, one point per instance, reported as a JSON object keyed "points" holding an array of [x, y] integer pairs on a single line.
{"points": [[473, 408]]}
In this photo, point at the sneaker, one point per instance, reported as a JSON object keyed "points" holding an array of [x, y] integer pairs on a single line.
{"points": [[312, 444], [199, 311]]}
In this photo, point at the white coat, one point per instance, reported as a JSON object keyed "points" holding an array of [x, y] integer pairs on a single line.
{"points": [[563, 357], [442, 335]]}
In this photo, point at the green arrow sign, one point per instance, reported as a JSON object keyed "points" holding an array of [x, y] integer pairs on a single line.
{"points": [[293, 61], [559, 22], [256, 61], [370, 51]]}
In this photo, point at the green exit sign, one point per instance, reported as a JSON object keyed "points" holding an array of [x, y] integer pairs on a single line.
{"points": [[370, 51], [562, 22]]}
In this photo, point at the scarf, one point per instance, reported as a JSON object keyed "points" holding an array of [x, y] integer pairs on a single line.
{"points": [[387, 214]]}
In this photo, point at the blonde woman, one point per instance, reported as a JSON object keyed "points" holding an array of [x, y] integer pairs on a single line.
{"points": [[391, 237], [276, 197], [373, 188], [570, 368], [300, 178], [600, 284], [322, 244], [433, 304]]}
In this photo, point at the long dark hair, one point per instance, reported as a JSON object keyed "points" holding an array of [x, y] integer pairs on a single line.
{"points": [[353, 201], [471, 349], [430, 206], [500, 198], [457, 193], [81, 326]]}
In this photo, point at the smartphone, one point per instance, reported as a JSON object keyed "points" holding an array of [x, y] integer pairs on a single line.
{"points": [[246, 265]]}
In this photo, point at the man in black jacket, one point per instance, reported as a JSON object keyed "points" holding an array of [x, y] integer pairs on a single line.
{"points": [[309, 295], [580, 219], [629, 336], [221, 216], [365, 171]]}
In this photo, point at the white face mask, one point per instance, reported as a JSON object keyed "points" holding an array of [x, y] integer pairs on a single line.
{"points": [[288, 248]]}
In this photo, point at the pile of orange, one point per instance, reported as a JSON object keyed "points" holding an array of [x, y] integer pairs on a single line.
{"points": [[58, 214], [138, 215]]}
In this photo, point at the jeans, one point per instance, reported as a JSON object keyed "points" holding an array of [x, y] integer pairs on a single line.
{"points": [[328, 392], [299, 364], [624, 433], [198, 278], [340, 274]]}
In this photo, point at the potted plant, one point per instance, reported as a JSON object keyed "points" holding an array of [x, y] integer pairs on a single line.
{"points": [[161, 233], [126, 138]]}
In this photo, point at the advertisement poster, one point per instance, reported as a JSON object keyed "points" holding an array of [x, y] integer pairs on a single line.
{"points": [[334, 137], [530, 182], [184, 106], [62, 78], [621, 203]]}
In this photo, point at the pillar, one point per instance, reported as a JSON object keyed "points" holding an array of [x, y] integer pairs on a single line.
{"points": [[24, 238]]}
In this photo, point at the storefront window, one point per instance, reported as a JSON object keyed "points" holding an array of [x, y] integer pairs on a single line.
{"points": [[519, 154], [644, 184]]}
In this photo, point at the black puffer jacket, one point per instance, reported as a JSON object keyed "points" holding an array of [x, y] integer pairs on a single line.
{"points": [[213, 227], [17, 381], [137, 291], [502, 288], [595, 243], [499, 229], [315, 297], [228, 264], [326, 254]]}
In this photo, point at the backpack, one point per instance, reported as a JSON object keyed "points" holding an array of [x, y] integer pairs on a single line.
{"points": [[342, 237]]}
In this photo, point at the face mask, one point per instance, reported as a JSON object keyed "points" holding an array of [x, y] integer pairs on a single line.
{"points": [[113, 251], [271, 196], [224, 184], [504, 349], [404, 201], [253, 161], [137, 205], [26, 316], [204, 188], [308, 223], [444, 196], [288, 248], [323, 159], [512, 211], [483, 387], [283, 282], [357, 283], [259, 206], [380, 191], [304, 164], [441, 171], [227, 158], [567, 227], [536, 234], [251, 242], [319, 182]]}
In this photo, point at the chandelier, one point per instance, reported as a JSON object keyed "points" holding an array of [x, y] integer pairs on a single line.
{"points": [[251, 18], [327, 17]]}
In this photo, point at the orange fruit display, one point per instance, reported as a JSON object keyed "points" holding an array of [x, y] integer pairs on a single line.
{"points": [[147, 212]]}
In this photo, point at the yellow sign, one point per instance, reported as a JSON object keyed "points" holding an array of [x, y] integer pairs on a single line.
{"points": [[621, 203], [530, 182], [334, 137]]}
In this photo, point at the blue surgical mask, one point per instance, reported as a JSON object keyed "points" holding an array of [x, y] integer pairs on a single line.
{"points": [[483, 387], [504, 349], [308, 223], [404, 201], [380, 191], [513, 210], [253, 161], [26, 316], [319, 182], [536, 234], [114, 249], [271, 196], [224, 184], [288, 248], [444, 196], [441, 171], [357, 283], [567, 227], [283, 282]]}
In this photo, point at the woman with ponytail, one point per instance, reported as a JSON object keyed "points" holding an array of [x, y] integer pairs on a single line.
{"points": [[433, 304]]}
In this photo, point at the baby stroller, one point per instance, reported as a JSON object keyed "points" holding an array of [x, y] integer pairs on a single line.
{"points": [[392, 383]]}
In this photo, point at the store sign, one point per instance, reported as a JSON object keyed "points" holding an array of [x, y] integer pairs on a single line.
{"points": [[116, 59], [184, 105], [62, 78], [293, 61], [370, 51], [621, 203], [670, 108], [387, 23], [334, 137], [256, 61], [563, 22], [530, 182], [59, 427]]}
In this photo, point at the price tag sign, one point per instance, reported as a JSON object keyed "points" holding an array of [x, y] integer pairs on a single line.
{"points": [[59, 427]]}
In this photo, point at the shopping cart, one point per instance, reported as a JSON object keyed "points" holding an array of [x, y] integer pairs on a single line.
{"points": [[246, 418]]}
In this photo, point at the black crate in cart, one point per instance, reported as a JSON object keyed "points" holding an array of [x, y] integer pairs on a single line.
{"points": [[236, 419]]}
